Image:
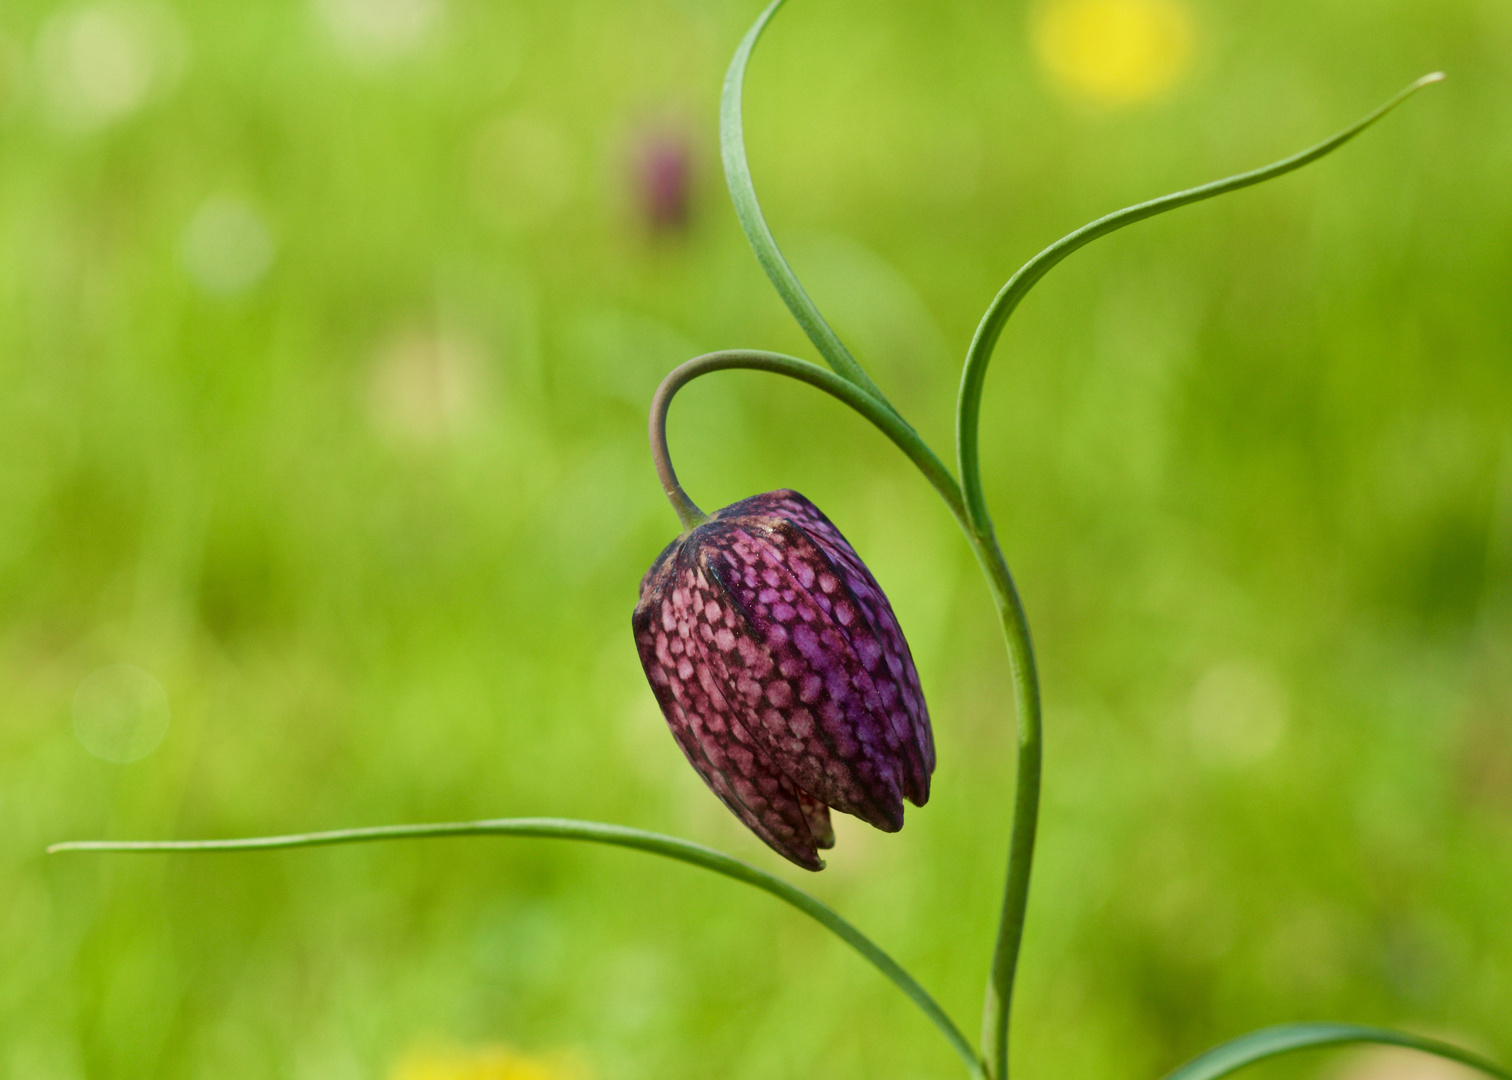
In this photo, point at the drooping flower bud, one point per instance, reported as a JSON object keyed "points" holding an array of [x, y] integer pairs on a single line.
{"points": [[783, 674]]}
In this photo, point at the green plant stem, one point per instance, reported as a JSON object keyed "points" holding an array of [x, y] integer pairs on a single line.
{"points": [[596, 832], [863, 401], [687, 511], [999, 997], [1026, 800]]}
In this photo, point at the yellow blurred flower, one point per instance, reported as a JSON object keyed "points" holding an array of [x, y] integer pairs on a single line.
{"points": [[484, 1063], [1114, 52]]}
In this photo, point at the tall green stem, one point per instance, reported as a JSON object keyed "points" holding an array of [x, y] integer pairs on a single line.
{"points": [[1026, 800], [998, 1001], [999, 997]]}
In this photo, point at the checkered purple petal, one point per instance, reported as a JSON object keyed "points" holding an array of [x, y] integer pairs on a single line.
{"points": [[783, 675]]}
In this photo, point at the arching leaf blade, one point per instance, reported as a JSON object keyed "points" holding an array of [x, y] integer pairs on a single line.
{"points": [[990, 328], [753, 222], [1270, 1042], [599, 832]]}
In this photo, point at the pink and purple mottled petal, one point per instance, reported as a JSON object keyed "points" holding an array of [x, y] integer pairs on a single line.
{"points": [[719, 747], [913, 716], [783, 674], [810, 695]]}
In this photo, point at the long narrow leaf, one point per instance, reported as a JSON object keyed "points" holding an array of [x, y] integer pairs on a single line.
{"points": [[748, 210], [596, 832], [974, 375], [1273, 1041]]}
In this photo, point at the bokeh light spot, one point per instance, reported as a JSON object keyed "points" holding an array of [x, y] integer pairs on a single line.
{"points": [[523, 171], [227, 247], [1237, 714], [424, 387], [120, 713], [1114, 52], [101, 63], [380, 30], [1400, 1064]]}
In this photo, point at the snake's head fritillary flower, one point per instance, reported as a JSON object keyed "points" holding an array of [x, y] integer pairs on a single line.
{"points": [[783, 674]]}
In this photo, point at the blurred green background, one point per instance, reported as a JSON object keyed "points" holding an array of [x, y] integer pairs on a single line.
{"points": [[327, 329]]}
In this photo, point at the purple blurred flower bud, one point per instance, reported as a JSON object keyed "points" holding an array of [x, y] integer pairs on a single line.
{"points": [[783, 675], [664, 175]]}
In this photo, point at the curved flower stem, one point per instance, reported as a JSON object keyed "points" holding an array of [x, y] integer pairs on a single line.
{"points": [[597, 832], [863, 401], [999, 995], [687, 510]]}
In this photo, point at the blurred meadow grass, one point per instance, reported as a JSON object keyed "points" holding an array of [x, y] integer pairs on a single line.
{"points": [[327, 329]]}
